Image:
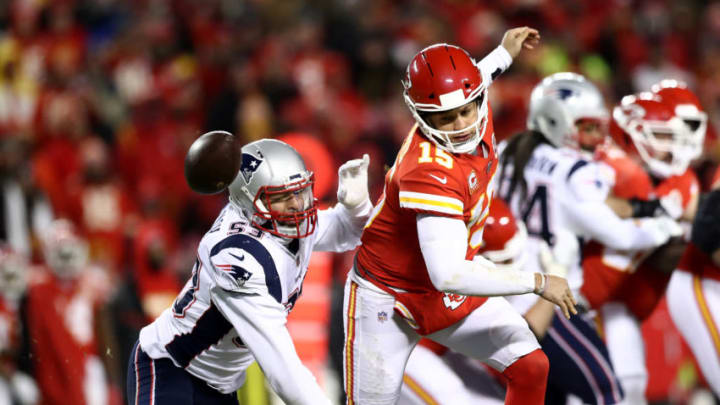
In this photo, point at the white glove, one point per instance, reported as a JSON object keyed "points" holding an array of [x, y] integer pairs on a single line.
{"points": [[353, 182], [564, 255], [661, 229], [672, 204]]}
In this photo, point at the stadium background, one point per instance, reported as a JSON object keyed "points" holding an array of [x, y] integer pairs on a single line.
{"points": [[100, 99]]}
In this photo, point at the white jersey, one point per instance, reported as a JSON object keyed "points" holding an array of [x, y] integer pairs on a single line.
{"points": [[561, 185], [233, 309]]}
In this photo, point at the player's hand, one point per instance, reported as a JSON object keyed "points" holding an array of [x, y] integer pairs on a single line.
{"points": [[353, 182], [661, 229], [557, 291], [515, 39]]}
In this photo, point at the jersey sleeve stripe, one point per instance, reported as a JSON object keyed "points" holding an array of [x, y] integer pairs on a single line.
{"points": [[260, 253], [431, 202]]}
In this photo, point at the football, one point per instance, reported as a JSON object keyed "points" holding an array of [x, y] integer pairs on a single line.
{"points": [[212, 162]]}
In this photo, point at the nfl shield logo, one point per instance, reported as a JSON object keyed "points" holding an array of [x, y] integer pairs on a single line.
{"points": [[382, 316]]}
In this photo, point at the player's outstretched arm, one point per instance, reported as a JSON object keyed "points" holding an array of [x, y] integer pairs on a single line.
{"points": [[260, 323], [500, 59], [517, 39], [443, 242]]}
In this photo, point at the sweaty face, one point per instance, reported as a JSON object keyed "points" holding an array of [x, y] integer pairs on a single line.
{"points": [[591, 133], [457, 119]]}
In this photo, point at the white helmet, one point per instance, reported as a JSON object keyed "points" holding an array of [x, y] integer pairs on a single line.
{"points": [[271, 169], [558, 102], [65, 252]]}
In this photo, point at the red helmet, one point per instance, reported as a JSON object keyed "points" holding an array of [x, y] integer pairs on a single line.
{"points": [[686, 106], [504, 238], [442, 77], [646, 126]]}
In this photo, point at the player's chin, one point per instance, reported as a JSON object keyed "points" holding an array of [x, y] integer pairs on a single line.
{"points": [[462, 138]]}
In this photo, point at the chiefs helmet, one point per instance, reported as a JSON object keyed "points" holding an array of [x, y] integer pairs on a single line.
{"points": [[14, 269], [65, 252], [558, 102], [686, 106], [646, 126], [272, 169], [442, 77], [504, 237]]}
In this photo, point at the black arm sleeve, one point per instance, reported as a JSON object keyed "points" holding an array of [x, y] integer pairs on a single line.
{"points": [[642, 208], [706, 227]]}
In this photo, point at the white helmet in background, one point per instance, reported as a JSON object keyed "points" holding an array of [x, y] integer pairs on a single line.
{"points": [[272, 168], [558, 102], [14, 269], [65, 252]]}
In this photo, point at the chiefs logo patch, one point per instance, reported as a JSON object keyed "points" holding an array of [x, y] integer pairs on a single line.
{"points": [[453, 301], [472, 182]]}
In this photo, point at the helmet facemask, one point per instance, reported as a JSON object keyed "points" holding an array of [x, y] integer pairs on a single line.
{"points": [[660, 145], [693, 136], [297, 221], [444, 139]]}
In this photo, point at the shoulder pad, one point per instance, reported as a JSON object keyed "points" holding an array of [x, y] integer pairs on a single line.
{"points": [[239, 257]]}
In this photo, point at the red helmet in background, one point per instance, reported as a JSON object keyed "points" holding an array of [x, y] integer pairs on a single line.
{"points": [[685, 104], [504, 238], [442, 77], [646, 126]]}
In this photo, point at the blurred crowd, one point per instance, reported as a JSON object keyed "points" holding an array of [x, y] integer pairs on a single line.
{"points": [[100, 100]]}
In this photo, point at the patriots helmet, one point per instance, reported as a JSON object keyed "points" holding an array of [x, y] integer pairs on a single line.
{"points": [[273, 171]]}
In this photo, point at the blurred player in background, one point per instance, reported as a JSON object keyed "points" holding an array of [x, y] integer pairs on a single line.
{"points": [[249, 272], [658, 135], [64, 298], [416, 273], [436, 375], [553, 185]]}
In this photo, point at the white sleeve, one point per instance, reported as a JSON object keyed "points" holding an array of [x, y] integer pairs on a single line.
{"points": [[496, 62], [339, 229], [590, 217], [443, 242], [260, 322]]}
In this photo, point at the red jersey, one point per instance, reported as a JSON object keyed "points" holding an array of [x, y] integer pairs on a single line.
{"points": [[61, 324], [611, 275], [605, 270], [645, 287], [426, 180]]}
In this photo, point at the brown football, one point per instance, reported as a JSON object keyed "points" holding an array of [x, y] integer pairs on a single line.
{"points": [[212, 162]]}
